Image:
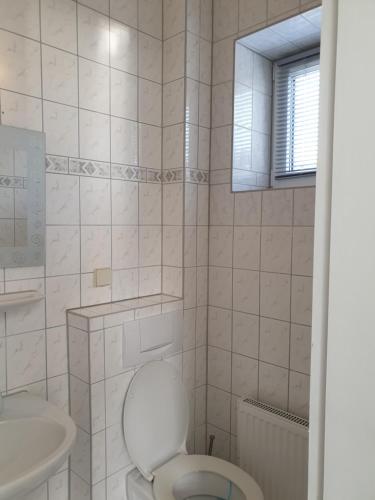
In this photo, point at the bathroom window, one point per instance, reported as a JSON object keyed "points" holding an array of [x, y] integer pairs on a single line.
{"points": [[295, 120]]}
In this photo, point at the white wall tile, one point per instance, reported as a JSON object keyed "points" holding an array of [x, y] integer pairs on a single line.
{"points": [[57, 356], [124, 202], [246, 334], [225, 21], [276, 249], [150, 58], [125, 11], [25, 359], [125, 247], [150, 17], [124, 141], [274, 341], [303, 249], [246, 250], [150, 102], [218, 408], [277, 207], [275, 296], [21, 111], [150, 138], [251, 13], [59, 72], [95, 201], [124, 95], [99, 5], [95, 248], [220, 294], [273, 385], [246, 291], [93, 35], [115, 390], [149, 280], [93, 86], [123, 47], [173, 17], [113, 351], [276, 8], [173, 102], [304, 207], [117, 455], [222, 205], [94, 135], [219, 368], [174, 58], [301, 300], [300, 348], [149, 204], [21, 57], [59, 24], [62, 199], [149, 246], [21, 17], [61, 128], [62, 250], [299, 386], [28, 317], [221, 245], [62, 293], [244, 376]]}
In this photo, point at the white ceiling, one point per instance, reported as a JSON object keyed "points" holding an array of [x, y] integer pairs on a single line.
{"points": [[280, 40]]}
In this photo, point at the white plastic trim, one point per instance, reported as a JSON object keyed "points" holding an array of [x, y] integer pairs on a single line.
{"points": [[13, 299]]}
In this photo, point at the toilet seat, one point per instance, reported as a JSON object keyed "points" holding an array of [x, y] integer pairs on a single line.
{"points": [[155, 423], [166, 476]]}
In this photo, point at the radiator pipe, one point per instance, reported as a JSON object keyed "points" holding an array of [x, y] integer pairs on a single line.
{"points": [[211, 444]]}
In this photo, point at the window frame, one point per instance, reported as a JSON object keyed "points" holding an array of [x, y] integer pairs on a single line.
{"points": [[303, 179]]}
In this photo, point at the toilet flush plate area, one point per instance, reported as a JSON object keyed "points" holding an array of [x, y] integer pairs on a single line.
{"points": [[152, 338]]}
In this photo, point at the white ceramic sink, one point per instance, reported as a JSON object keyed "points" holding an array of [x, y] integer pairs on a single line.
{"points": [[35, 440]]}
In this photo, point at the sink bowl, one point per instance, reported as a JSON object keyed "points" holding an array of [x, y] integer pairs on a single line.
{"points": [[35, 440]]}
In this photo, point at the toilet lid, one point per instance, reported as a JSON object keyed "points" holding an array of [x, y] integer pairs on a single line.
{"points": [[156, 417]]}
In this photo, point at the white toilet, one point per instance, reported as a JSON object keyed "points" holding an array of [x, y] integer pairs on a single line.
{"points": [[155, 423]]}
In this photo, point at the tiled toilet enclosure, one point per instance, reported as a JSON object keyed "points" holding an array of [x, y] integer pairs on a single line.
{"points": [[106, 345]]}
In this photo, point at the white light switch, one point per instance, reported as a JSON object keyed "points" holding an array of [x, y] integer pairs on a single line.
{"points": [[102, 277]]}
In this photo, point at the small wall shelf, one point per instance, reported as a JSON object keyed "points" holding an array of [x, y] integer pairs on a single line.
{"points": [[13, 299]]}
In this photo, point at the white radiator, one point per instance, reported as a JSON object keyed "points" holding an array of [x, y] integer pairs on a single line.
{"points": [[273, 449]]}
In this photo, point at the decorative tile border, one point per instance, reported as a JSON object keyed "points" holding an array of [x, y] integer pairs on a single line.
{"points": [[8, 181], [173, 175], [154, 176], [76, 166], [58, 164], [89, 168], [129, 173], [196, 176]]}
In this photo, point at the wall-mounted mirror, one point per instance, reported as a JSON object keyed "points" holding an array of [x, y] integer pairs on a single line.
{"points": [[276, 105], [22, 204]]}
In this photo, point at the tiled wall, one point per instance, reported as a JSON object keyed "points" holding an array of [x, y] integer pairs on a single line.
{"points": [[89, 74], [119, 170], [104, 346], [186, 151], [260, 257], [251, 120]]}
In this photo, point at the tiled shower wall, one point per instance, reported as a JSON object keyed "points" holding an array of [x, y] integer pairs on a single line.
{"points": [[260, 258]]}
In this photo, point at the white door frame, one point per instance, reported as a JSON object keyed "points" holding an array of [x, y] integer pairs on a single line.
{"points": [[322, 250]]}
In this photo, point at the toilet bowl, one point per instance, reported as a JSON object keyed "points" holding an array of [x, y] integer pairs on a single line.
{"points": [[155, 420]]}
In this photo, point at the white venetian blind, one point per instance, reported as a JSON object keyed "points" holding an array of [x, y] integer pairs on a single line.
{"points": [[296, 117]]}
